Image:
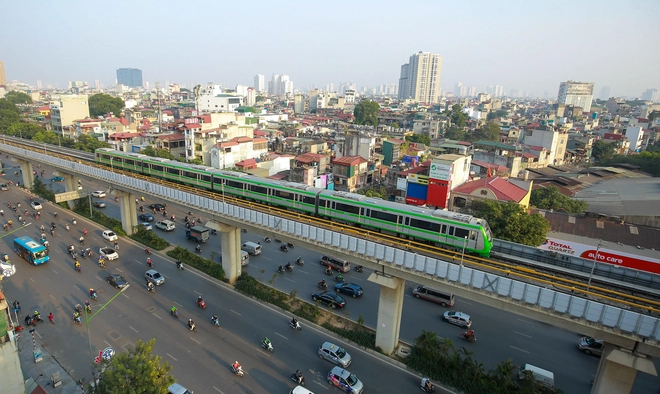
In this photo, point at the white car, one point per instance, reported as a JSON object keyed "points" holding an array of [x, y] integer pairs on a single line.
{"points": [[147, 226], [98, 194], [109, 253], [110, 235], [36, 205]]}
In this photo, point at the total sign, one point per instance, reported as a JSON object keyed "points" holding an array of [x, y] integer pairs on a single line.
{"points": [[440, 171]]}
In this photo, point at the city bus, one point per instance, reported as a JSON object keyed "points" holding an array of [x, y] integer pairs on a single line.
{"points": [[32, 251]]}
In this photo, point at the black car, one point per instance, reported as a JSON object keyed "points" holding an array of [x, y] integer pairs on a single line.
{"points": [[349, 288], [330, 298], [99, 204], [146, 217], [117, 281], [157, 207]]}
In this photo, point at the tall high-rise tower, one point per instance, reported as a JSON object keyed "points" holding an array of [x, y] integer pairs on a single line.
{"points": [[3, 77], [420, 78], [260, 82], [578, 94], [129, 77]]}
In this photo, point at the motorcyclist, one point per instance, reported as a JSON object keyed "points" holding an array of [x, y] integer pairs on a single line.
{"points": [[236, 366], [198, 248], [328, 271], [299, 375], [214, 319], [289, 266], [77, 265], [191, 324], [267, 342], [322, 283], [149, 262], [36, 315], [199, 300], [173, 310], [179, 264], [87, 306], [469, 334], [283, 247], [426, 383], [147, 250], [267, 239], [28, 320], [82, 240], [280, 268], [294, 322], [339, 277], [299, 259], [150, 286], [92, 292]]}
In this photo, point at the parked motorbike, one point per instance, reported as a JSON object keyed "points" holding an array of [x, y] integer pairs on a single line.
{"points": [[299, 380]]}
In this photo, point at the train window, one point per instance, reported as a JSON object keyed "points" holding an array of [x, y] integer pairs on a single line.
{"points": [[105, 157], [451, 230], [259, 189], [473, 235], [129, 162], [157, 168], [234, 184], [424, 225], [323, 203], [173, 171], [189, 175], [286, 195], [206, 178], [400, 219], [309, 200], [407, 223], [444, 229], [461, 232], [383, 216], [347, 208]]}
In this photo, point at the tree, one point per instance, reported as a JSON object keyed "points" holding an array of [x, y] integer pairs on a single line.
{"points": [[16, 97], [421, 138], [88, 143], [510, 221], [24, 130], [602, 150], [9, 115], [500, 113], [395, 125], [457, 116], [101, 104], [371, 191], [455, 133], [550, 198], [366, 112], [490, 132], [135, 372], [149, 151]]}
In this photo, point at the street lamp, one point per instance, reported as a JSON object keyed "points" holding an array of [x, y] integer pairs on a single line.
{"points": [[593, 267], [463, 254], [89, 318]]}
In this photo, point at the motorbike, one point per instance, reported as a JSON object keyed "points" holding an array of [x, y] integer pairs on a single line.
{"points": [[297, 326], [289, 267], [427, 389], [267, 240], [147, 251], [300, 261], [470, 338], [289, 245], [192, 327], [29, 321], [150, 263], [37, 318], [89, 308], [328, 271], [280, 269], [268, 346], [74, 222], [76, 319], [339, 278], [179, 265], [359, 268], [94, 296], [198, 249], [66, 226], [174, 313], [300, 381], [283, 248], [201, 304], [323, 286], [78, 268], [215, 322], [237, 371], [151, 289]]}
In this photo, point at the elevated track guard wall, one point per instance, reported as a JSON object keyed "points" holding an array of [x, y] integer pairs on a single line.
{"points": [[535, 297]]}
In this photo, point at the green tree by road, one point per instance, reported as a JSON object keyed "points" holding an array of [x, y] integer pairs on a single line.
{"points": [[366, 113], [101, 104], [137, 371], [509, 221], [550, 198]]}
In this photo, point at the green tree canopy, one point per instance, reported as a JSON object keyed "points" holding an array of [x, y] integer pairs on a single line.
{"points": [[648, 161], [101, 104], [88, 143], [9, 115], [602, 150], [511, 222], [490, 132], [421, 138], [500, 113], [153, 152], [137, 371], [366, 112], [456, 133], [395, 125], [17, 97], [24, 130], [550, 198], [458, 118], [371, 191]]}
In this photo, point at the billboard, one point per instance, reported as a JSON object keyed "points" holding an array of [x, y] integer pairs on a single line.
{"points": [[605, 255], [416, 178], [440, 171], [416, 194]]}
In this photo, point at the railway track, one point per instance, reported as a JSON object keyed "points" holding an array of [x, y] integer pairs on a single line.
{"points": [[600, 289]]}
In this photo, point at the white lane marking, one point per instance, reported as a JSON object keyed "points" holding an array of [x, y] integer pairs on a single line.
{"points": [[218, 390], [197, 292], [37, 332], [198, 342], [100, 279], [465, 302], [32, 280], [290, 280], [55, 272], [132, 328], [524, 351], [118, 270], [524, 321], [235, 312], [325, 386], [156, 316], [124, 294], [266, 258], [278, 334], [525, 335], [166, 276], [106, 342], [178, 304], [172, 357], [53, 298], [408, 295], [304, 272]]}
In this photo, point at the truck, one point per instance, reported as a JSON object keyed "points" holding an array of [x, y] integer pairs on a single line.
{"points": [[198, 234]]}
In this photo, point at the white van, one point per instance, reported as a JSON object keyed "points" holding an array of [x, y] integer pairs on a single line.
{"points": [[545, 378], [177, 389], [300, 390], [252, 248]]}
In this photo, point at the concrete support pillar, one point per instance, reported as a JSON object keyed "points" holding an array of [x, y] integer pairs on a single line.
{"points": [[128, 210], [618, 368], [26, 171], [70, 185], [230, 240], [390, 307]]}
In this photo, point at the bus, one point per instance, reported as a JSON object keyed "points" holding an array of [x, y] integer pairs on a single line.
{"points": [[32, 251]]}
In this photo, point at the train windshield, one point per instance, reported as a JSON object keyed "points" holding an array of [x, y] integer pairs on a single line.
{"points": [[489, 234]]}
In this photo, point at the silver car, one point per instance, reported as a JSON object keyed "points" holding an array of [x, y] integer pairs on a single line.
{"points": [[591, 346], [336, 355], [345, 380], [154, 277]]}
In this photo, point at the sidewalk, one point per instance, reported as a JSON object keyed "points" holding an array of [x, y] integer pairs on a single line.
{"points": [[41, 372]]}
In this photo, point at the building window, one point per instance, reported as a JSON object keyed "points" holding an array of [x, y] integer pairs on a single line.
{"points": [[484, 192]]}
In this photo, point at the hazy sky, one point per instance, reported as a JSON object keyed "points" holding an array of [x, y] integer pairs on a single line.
{"points": [[524, 45]]}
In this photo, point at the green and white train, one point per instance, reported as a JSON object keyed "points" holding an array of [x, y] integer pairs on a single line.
{"points": [[449, 229]]}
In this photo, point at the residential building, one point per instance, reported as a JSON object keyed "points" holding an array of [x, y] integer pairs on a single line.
{"points": [[280, 85], [250, 97], [459, 89], [65, 111], [299, 103], [549, 138], [472, 92], [11, 373], [129, 77], [578, 94], [226, 155], [421, 81], [430, 126], [391, 151], [3, 76], [349, 96], [648, 95], [498, 189], [219, 102], [635, 135], [260, 83], [349, 173], [445, 173]]}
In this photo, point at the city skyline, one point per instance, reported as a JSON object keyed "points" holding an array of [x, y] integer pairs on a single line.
{"points": [[481, 44]]}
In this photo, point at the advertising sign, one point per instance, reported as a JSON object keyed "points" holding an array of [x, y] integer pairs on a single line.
{"points": [[440, 171], [416, 178]]}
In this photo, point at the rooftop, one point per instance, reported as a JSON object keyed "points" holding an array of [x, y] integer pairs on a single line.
{"points": [[503, 190]]}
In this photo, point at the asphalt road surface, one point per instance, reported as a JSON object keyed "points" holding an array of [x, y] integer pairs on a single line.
{"points": [[501, 335]]}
